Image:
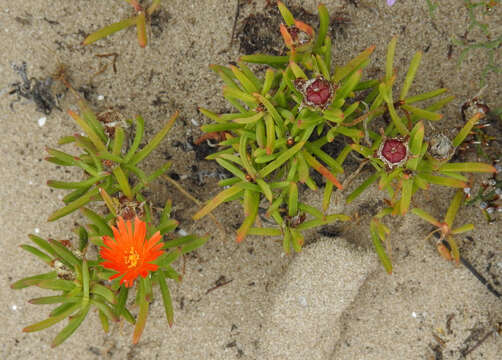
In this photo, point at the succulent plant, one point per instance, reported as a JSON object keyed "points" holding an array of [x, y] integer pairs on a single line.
{"points": [[83, 281], [276, 136], [284, 119], [105, 161]]}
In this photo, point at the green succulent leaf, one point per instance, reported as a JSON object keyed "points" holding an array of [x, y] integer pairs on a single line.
{"points": [[412, 70], [154, 143], [44, 324], [33, 280], [379, 248], [466, 129], [166, 296], [73, 325], [467, 167], [353, 65], [426, 216], [143, 311], [108, 30]]}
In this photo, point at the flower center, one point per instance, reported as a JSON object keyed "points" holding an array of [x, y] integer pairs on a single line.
{"points": [[319, 92], [394, 151], [132, 258]]}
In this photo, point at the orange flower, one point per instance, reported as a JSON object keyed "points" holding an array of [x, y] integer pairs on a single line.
{"points": [[129, 253]]}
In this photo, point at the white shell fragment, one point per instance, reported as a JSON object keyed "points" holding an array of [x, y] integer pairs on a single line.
{"points": [[42, 121]]}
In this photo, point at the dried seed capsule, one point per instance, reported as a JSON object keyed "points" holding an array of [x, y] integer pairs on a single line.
{"points": [[473, 107], [441, 148]]}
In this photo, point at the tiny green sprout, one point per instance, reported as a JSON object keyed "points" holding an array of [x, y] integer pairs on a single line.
{"points": [[139, 20]]}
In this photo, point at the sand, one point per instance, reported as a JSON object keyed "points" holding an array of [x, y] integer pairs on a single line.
{"points": [[333, 300]]}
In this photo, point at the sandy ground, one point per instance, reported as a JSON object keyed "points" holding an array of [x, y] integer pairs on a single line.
{"points": [[332, 301]]}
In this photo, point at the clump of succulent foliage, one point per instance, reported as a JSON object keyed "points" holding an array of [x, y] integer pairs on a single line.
{"points": [[284, 118], [139, 20], [83, 279]]}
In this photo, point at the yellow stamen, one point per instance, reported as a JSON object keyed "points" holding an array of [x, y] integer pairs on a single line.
{"points": [[132, 259]]}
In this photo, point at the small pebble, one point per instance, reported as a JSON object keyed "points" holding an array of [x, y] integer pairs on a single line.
{"points": [[100, 97], [302, 301], [182, 232], [194, 122], [13, 307], [41, 121], [37, 230]]}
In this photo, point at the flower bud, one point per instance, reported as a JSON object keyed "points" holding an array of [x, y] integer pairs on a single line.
{"points": [[393, 152], [317, 93]]}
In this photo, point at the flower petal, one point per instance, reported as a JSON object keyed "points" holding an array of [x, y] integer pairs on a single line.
{"points": [[128, 253], [139, 232]]}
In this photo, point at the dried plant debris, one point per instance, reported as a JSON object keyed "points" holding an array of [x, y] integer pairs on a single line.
{"points": [[36, 90], [258, 32], [158, 22], [485, 137]]}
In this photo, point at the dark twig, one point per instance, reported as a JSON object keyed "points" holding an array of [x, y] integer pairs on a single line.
{"points": [[473, 271], [237, 10], [476, 345], [219, 284], [114, 59]]}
